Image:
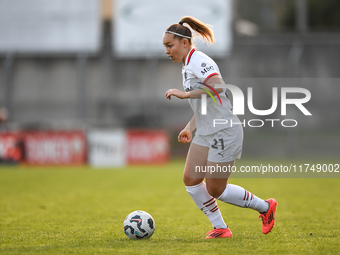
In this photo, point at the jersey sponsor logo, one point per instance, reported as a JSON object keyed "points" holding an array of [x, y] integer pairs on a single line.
{"points": [[207, 69], [189, 89]]}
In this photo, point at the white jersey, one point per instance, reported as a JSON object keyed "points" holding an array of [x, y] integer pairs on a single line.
{"points": [[199, 68]]}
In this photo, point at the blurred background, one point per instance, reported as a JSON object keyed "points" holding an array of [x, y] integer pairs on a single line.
{"points": [[77, 68]]}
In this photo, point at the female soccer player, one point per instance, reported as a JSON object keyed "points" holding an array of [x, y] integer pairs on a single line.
{"points": [[213, 145]]}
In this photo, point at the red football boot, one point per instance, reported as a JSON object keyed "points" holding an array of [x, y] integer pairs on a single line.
{"points": [[268, 218]]}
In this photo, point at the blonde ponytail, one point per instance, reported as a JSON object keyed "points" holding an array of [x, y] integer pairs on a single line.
{"points": [[199, 27]]}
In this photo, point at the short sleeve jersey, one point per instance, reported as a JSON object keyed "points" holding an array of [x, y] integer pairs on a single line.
{"points": [[199, 68]]}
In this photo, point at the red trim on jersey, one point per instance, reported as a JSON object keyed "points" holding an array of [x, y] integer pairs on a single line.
{"points": [[190, 53], [210, 76]]}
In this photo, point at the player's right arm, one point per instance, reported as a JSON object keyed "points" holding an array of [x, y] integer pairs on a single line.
{"points": [[185, 135]]}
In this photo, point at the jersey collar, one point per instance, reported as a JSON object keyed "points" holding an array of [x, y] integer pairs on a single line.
{"points": [[187, 59]]}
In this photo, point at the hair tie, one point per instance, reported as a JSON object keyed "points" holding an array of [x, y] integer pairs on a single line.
{"points": [[181, 23]]}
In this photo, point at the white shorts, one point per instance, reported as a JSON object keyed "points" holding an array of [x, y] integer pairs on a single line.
{"points": [[224, 145]]}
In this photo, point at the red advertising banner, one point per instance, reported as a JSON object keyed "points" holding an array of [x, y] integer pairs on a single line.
{"points": [[11, 150], [55, 148], [148, 147]]}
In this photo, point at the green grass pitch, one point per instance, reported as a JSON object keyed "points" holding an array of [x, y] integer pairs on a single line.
{"points": [[80, 210]]}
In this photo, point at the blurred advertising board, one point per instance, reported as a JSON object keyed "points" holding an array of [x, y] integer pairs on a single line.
{"points": [[107, 148], [50, 27], [55, 148], [116, 148], [139, 25], [148, 147], [99, 148], [11, 150]]}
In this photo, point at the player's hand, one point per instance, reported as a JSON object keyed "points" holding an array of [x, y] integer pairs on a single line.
{"points": [[184, 136], [177, 93]]}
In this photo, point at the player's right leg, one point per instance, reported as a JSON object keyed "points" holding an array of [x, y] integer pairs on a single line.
{"points": [[196, 187]]}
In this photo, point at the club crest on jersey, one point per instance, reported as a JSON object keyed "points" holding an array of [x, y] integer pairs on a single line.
{"points": [[207, 69]]}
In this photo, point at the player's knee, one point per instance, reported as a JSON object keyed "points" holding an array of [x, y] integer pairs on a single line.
{"points": [[186, 180], [215, 191]]}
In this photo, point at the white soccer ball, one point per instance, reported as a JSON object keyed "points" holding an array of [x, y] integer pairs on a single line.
{"points": [[139, 225]]}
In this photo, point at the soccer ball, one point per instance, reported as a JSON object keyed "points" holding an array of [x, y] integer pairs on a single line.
{"points": [[139, 225]]}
